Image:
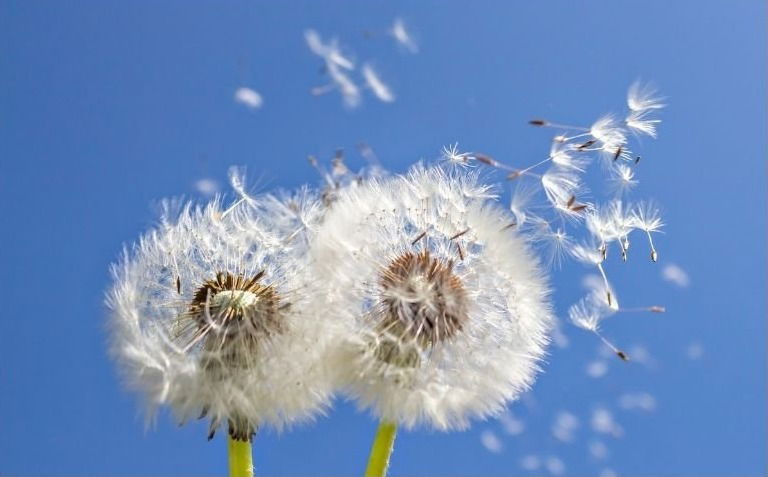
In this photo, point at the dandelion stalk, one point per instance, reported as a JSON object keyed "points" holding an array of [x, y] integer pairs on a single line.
{"points": [[240, 459], [378, 462]]}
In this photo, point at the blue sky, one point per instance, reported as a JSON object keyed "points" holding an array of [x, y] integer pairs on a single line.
{"points": [[108, 106]]}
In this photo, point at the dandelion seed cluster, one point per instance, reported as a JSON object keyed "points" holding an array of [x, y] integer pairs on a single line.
{"points": [[444, 310], [417, 295], [557, 223], [209, 315]]}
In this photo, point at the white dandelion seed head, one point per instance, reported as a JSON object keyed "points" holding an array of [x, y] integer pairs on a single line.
{"points": [[445, 310], [209, 318]]}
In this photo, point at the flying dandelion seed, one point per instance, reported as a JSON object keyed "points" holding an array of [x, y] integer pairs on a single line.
{"points": [[603, 423], [248, 98], [597, 369], [335, 65], [491, 442], [376, 85], [452, 156], [330, 52], [512, 425], [565, 426], [675, 275], [642, 101], [403, 38]]}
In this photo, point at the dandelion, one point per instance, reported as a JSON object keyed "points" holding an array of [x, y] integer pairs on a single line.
{"points": [[647, 218], [209, 318], [445, 310], [403, 37], [376, 85]]}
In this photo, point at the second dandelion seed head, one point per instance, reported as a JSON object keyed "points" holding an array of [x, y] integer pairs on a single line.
{"points": [[443, 314]]}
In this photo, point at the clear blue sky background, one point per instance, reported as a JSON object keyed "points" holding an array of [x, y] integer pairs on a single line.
{"points": [[107, 106]]}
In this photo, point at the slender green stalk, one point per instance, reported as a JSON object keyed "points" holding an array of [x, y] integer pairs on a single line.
{"points": [[378, 462], [240, 459]]}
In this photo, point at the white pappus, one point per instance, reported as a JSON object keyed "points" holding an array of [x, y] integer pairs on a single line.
{"points": [[209, 316], [442, 312]]}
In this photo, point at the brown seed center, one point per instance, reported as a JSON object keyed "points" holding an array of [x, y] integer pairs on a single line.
{"points": [[421, 299], [228, 316]]}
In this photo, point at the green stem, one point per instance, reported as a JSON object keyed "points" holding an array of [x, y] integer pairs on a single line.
{"points": [[240, 459], [381, 450]]}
